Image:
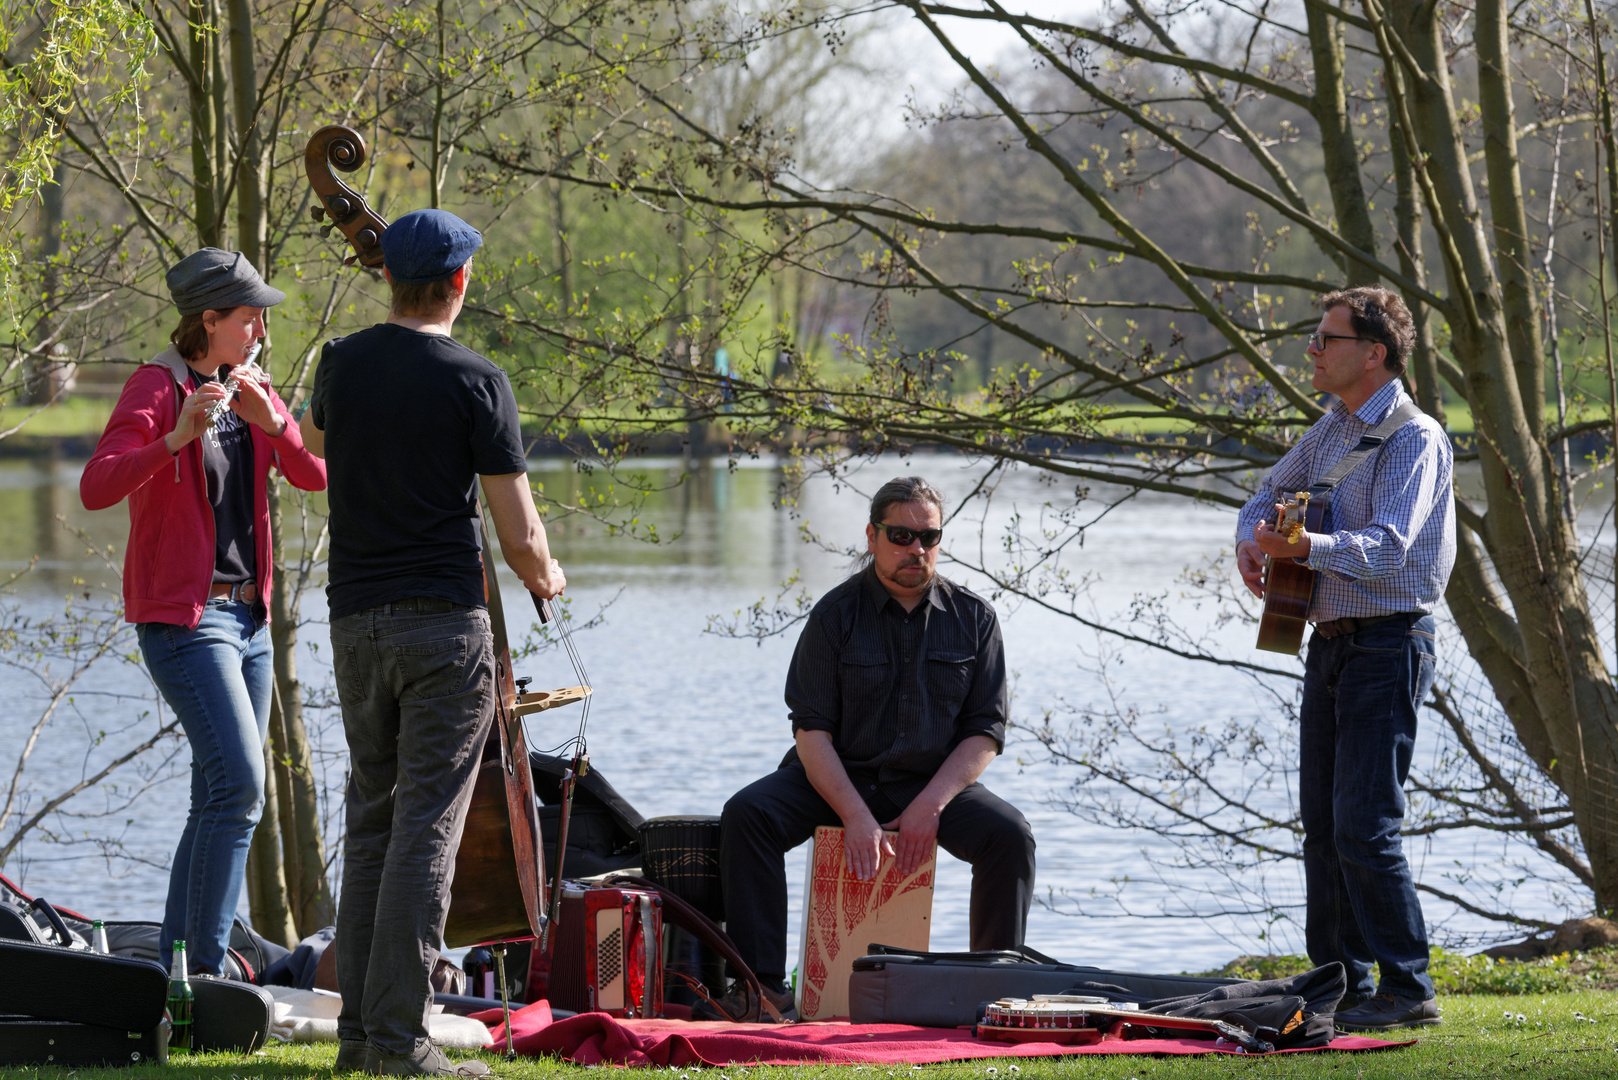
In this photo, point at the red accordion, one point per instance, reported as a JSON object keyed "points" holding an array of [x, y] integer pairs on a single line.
{"points": [[607, 952]]}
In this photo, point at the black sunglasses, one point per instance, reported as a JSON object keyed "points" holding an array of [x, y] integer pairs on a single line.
{"points": [[900, 536]]}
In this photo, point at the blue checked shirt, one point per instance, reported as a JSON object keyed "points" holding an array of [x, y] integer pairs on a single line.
{"points": [[1393, 543]]}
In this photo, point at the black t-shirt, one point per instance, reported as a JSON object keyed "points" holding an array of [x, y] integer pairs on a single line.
{"points": [[411, 420], [227, 464]]}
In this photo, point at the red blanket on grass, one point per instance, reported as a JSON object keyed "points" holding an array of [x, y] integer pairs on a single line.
{"points": [[599, 1039]]}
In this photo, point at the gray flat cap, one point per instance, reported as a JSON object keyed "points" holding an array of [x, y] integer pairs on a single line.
{"points": [[212, 280]]}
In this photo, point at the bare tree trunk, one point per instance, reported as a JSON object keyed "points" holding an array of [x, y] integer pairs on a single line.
{"points": [[266, 888], [305, 856], [1407, 216], [52, 373], [1568, 720], [1609, 143], [1341, 158], [1513, 252], [204, 121], [437, 165]]}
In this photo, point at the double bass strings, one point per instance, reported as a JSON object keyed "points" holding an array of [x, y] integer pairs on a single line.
{"points": [[564, 631]]}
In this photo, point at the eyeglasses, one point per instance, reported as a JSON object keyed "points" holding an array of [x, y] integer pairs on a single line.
{"points": [[900, 536], [1318, 341]]}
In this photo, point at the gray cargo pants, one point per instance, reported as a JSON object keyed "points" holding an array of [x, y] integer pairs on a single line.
{"points": [[416, 683]]}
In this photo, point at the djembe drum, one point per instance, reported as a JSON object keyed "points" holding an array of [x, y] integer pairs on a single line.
{"points": [[681, 853]]}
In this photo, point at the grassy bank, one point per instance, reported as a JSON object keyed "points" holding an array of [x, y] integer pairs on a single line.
{"points": [[1454, 973], [1562, 1035]]}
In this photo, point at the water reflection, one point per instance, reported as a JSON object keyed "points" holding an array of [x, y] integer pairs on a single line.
{"points": [[681, 718]]}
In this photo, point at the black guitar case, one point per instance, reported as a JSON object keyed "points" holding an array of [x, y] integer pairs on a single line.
{"points": [[81, 987], [64, 1006], [27, 1040], [230, 1015], [899, 986]]}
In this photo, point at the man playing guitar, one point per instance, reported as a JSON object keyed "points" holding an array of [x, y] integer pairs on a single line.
{"points": [[1381, 561]]}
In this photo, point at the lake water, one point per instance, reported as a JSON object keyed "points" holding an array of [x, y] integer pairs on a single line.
{"points": [[681, 717]]}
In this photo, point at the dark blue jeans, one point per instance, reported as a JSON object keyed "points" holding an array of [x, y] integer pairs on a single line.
{"points": [[216, 678], [416, 682], [1361, 693]]}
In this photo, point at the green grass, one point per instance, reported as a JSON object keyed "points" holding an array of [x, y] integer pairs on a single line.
{"points": [[1555, 1038], [1456, 974]]}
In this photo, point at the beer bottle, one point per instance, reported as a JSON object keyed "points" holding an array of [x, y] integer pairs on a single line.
{"points": [[180, 1002], [98, 938]]}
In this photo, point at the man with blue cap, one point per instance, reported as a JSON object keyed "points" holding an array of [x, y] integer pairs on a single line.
{"points": [[410, 422]]}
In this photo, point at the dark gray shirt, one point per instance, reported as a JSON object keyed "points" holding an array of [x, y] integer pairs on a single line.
{"points": [[898, 691]]}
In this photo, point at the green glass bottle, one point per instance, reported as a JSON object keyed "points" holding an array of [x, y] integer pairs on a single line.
{"points": [[180, 1002]]}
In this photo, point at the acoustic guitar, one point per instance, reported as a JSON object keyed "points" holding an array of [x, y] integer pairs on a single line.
{"points": [[1289, 585]]}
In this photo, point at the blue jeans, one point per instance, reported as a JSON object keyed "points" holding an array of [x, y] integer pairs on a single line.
{"points": [[217, 680], [416, 681], [1361, 693]]}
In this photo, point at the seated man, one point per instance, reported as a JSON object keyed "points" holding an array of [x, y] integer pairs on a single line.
{"points": [[897, 694]]}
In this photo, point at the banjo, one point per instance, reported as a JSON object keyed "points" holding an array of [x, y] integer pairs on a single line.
{"points": [[1074, 1019]]}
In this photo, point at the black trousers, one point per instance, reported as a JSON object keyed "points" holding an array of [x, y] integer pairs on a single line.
{"points": [[773, 815]]}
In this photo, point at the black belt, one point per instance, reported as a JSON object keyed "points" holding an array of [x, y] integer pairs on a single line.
{"points": [[1339, 627]]}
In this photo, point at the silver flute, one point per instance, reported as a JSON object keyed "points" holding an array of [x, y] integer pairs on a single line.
{"points": [[248, 370]]}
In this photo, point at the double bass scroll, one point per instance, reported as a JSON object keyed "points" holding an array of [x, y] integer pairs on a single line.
{"points": [[333, 148]]}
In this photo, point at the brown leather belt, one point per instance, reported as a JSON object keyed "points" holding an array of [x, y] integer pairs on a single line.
{"points": [[1339, 627], [246, 592]]}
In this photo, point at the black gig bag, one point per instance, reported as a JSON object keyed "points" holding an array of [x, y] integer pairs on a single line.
{"points": [[900, 986]]}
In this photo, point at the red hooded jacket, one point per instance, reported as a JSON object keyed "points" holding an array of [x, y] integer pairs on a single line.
{"points": [[168, 564]]}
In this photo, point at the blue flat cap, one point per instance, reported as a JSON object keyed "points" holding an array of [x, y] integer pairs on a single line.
{"points": [[213, 280], [426, 245]]}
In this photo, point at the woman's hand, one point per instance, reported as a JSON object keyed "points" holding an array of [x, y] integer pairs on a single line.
{"points": [[254, 406], [193, 419]]}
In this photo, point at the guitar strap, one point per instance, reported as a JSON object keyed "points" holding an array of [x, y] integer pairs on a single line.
{"points": [[1369, 444]]}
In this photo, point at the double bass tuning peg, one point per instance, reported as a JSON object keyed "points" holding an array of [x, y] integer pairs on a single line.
{"points": [[316, 212], [522, 684]]}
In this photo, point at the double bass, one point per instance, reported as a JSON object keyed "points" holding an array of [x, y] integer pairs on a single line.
{"points": [[498, 890]]}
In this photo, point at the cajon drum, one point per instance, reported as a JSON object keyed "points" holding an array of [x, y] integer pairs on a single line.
{"points": [[843, 915]]}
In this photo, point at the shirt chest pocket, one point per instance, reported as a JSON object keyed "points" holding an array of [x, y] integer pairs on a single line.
{"points": [[949, 677], [866, 678]]}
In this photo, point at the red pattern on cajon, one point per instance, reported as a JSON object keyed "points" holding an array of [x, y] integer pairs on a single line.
{"points": [[843, 915]]}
